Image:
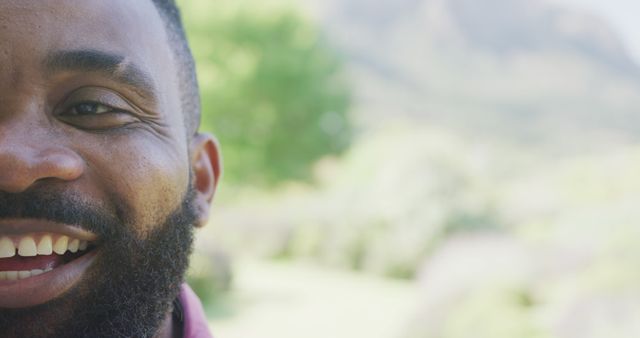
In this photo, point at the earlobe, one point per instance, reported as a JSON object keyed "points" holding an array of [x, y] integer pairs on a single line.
{"points": [[206, 165]]}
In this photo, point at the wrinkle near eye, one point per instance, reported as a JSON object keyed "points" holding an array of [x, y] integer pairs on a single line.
{"points": [[126, 115]]}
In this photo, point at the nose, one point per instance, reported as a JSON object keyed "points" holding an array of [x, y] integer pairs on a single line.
{"points": [[28, 158]]}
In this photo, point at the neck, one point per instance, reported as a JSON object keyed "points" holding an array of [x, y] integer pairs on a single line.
{"points": [[169, 328]]}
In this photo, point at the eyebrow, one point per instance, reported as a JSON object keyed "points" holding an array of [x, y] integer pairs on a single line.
{"points": [[114, 66]]}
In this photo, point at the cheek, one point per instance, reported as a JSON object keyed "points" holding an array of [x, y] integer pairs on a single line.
{"points": [[147, 177]]}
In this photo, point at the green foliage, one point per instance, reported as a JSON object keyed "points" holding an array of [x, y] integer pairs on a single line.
{"points": [[210, 277], [504, 242], [509, 317], [271, 89], [382, 208]]}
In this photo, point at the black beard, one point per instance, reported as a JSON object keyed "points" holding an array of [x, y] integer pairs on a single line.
{"points": [[129, 289]]}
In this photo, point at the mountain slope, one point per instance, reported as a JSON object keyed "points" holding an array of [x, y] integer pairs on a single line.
{"points": [[523, 70]]}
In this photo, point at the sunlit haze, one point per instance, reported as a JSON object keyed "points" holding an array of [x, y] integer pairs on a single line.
{"points": [[622, 15]]}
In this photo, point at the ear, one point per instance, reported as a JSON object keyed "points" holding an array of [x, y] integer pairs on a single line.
{"points": [[206, 165]]}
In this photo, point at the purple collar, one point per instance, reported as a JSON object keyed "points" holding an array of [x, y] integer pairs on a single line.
{"points": [[195, 321]]}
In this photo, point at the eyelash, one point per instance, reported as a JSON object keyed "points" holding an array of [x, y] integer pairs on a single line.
{"points": [[95, 105], [97, 109]]}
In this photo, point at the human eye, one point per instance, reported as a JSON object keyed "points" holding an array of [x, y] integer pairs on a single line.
{"points": [[90, 108], [96, 109]]}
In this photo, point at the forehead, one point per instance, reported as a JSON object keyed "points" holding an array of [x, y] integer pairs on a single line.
{"points": [[125, 26], [31, 30]]}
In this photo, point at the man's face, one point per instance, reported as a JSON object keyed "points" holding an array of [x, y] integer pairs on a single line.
{"points": [[99, 183]]}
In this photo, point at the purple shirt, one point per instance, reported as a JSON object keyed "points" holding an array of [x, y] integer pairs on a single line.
{"points": [[195, 321]]}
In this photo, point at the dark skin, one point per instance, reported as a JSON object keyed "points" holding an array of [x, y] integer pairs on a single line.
{"points": [[90, 103]]}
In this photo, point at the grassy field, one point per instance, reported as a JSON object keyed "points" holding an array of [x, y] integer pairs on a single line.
{"points": [[284, 300]]}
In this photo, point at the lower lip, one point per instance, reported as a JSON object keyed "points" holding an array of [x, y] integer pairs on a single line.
{"points": [[40, 289]]}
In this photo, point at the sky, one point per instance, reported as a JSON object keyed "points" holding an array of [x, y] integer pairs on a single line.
{"points": [[622, 15]]}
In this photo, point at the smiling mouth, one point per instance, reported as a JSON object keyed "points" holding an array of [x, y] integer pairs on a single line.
{"points": [[42, 260], [31, 255]]}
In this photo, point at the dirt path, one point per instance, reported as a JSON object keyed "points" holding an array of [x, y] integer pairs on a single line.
{"points": [[285, 300]]}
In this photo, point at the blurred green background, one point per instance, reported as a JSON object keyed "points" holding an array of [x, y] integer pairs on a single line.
{"points": [[420, 168]]}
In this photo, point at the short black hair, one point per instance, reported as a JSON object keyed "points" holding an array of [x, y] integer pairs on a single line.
{"points": [[188, 82]]}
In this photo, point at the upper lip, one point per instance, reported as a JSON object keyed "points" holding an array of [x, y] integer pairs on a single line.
{"points": [[23, 226]]}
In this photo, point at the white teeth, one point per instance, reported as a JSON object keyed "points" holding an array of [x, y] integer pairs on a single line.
{"points": [[16, 275], [47, 244], [12, 275], [27, 247], [7, 249], [73, 245], [45, 247], [61, 245]]}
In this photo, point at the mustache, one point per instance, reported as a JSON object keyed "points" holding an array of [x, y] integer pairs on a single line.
{"points": [[60, 207]]}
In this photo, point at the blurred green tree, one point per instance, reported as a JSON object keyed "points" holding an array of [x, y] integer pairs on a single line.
{"points": [[271, 89]]}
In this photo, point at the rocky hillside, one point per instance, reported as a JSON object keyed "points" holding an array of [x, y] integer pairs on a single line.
{"points": [[523, 70]]}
